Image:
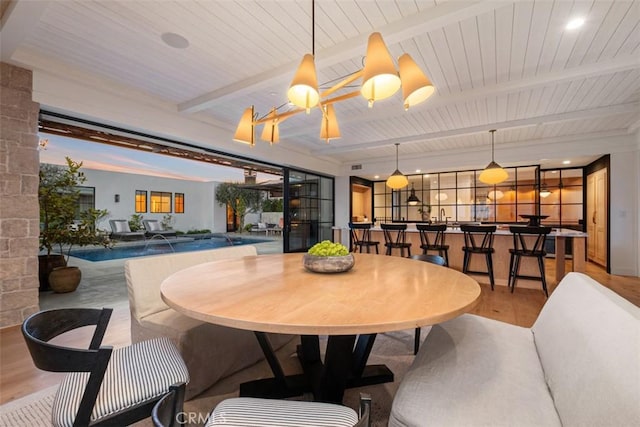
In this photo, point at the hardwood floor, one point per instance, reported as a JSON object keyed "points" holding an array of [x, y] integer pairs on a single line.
{"points": [[19, 377]]}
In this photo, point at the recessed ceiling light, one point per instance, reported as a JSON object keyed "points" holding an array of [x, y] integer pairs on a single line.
{"points": [[175, 40], [566, 162], [377, 176], [554, 171], [575, 23], [417, 170], [426, 175]]}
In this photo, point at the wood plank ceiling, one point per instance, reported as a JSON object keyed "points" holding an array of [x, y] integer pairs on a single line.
{"points": [[508, 65]]}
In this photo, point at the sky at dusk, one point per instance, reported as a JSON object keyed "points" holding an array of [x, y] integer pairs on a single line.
{"points": [[111, 158]]}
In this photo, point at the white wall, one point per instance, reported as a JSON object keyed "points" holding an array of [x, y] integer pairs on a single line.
{"points": [[625, 186], [200, 208]]}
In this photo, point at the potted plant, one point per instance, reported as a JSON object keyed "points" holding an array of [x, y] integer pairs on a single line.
{"points": [[58, 198]]}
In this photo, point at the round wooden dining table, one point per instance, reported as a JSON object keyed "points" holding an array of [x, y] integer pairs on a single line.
{"points": [[275, 294]]}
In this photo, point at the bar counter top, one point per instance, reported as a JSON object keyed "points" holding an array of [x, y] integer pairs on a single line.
{"points": [[502, 243]]}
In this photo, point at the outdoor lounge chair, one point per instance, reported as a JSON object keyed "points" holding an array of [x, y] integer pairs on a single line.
{"points": [[120, 230], [154, 228]]}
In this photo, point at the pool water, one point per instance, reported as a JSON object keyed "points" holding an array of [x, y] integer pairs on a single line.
{"points": [[158, 247]]}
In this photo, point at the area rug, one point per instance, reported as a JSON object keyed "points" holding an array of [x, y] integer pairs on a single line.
{"points": [[393, 349]]}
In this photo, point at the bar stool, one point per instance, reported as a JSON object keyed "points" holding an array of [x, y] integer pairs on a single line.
{"points": [[436, 242], [361, 237], [395, 238], [478, 239], [522, 248]]}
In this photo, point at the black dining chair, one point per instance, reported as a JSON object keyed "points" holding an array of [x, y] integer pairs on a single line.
{"points": [[104, 386], [478, 239], [251, 412], [433, 259], [527, 242], [361, 237], [395, 238], [432, 238]]}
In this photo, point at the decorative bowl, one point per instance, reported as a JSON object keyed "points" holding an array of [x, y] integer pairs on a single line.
{"points": [[328, 264]]}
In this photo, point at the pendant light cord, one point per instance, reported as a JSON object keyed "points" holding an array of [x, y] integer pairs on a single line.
{"points": [[493, 131], [313, 28], [397, 156]]}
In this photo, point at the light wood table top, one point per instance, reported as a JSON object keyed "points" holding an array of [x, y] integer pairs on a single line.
{"points": [[274, 293]]}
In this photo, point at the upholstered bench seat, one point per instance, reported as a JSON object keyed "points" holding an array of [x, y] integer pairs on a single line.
{"points": [[479, 370], [211, 352], [136, 374], [247, 411], [579, 365]]}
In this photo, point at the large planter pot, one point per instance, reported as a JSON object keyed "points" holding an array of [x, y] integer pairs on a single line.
{"points": [[64, 279], [46, 264]]}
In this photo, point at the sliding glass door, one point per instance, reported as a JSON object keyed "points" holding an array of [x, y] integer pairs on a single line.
{"points": [[308, 208]]}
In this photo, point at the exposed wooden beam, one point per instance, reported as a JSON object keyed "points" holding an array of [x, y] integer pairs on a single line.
{"points": [[436, 17], [531, 121]]}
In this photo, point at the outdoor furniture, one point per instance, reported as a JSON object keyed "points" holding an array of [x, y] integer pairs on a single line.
{"points": [[154, 228], [120, 230], [92, 392], [251, 412]]}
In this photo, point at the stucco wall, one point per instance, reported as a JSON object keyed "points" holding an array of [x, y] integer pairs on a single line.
{"points": [[19, 212]]}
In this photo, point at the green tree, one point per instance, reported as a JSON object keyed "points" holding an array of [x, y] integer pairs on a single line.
{"points": [[58, 196], [239, 199]]}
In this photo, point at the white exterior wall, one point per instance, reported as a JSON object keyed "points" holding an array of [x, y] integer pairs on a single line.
{"points": [[201, 210]]}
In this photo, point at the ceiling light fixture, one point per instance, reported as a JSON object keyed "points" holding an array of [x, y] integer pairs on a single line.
{"points": [[495, 195], [544, 191], [566, 162], [575, 23], [413, 199], [493, 173], [380, 80], [397, 180]]}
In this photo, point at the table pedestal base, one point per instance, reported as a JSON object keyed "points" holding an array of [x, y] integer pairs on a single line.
{"points": [[344, 366]]}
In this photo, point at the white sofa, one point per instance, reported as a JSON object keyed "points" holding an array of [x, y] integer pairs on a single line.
{"points": [[579, 365], [211, 352]]}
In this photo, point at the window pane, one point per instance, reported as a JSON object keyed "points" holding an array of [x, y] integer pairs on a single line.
{"points": [[506, 213], [141, 201], [179, 201], [571, 215], [160, 202]]}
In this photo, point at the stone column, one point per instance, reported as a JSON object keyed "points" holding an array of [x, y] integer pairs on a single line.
{"points": [[19, 211]]}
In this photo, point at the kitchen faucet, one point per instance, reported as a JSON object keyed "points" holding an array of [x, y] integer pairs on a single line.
{"points": [[442, 214]]}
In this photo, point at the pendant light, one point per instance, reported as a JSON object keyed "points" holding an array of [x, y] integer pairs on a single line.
{"points": [[329, 127], [413, 199], [493, 173], [379, 77], [397, 180], [244, 131], [416, 87], [303, 91], [271, 132], [544, 191]]}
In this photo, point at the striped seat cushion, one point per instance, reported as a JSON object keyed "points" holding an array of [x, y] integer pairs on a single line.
{"points": [[136, 374], [248, 411]]}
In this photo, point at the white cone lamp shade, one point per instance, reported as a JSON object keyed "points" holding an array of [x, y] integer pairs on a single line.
{"points": [[244, 131], [271, 131], [379, 79], [416, 87], [303, 91], [330, 128], [397, 180]]}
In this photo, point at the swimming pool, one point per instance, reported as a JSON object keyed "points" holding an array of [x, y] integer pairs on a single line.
{"points": [[159, 247]]}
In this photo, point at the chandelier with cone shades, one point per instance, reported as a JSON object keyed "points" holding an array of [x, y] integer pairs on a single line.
{"points": [[380, 80]]}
